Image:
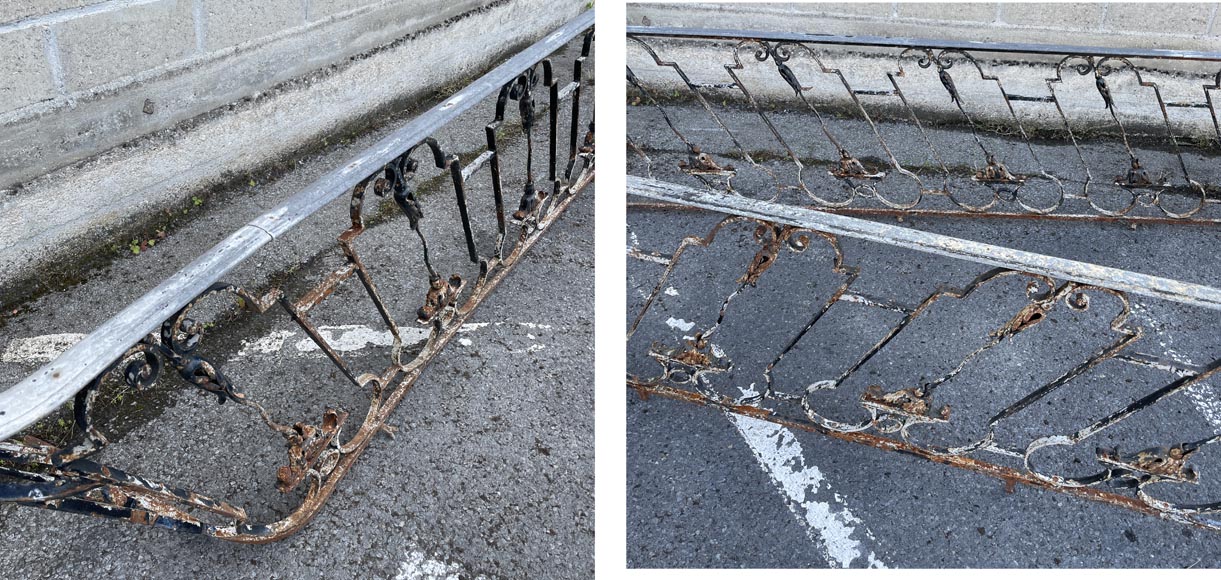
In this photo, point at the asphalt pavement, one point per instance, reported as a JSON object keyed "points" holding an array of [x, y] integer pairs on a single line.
{"points": [[710, 490]]}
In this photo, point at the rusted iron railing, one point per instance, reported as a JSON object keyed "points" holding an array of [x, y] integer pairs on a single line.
{"points": [[156, 333], [1095, 133], [1030, 368], [826, 366]]}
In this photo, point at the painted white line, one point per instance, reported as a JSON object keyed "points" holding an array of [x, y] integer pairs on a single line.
{"points": [[352, 337], [418, 566], [1202, 395], [269, 344], [826, 517], [355, 337], [39, 349], [827, 520]]}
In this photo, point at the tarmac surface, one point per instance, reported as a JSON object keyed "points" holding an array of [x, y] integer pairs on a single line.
{"points": [[710, 490], [490, 473]]}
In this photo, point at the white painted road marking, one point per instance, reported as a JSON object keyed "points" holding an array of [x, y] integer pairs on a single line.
{"points": [[418, 566], [1201, 394], [679, 324], [830, 523], [39, 349], [344, 338], [827, 520]]}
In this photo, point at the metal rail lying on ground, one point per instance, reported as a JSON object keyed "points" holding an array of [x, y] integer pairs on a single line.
{"points": [[1145, 167], [156, 331], [848, 399]]}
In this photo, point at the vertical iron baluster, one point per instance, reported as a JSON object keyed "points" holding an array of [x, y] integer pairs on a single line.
{"points": [[450, 161], [455, 169], [575, 124], [553, 114], [501, 229]]}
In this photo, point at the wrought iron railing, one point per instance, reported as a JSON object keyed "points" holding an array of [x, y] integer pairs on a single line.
{"points": [[802, 334], [1094, 133], [1030, 368], [157, 333]]}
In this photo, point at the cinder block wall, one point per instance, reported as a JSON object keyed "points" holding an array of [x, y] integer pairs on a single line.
{"points": [[80, 76], [1186, 26]]}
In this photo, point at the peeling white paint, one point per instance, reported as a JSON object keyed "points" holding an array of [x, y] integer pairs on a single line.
{"points": [[827, 519], [530, 325], [679, 324], [39, 349], [270, 344], [351, 337], [1206, 400], [418, 566], [671, 291], [1202, 395]]}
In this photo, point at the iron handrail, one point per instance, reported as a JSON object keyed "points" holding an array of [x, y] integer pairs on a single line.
{"points": [[908, 238], [899, 42]]}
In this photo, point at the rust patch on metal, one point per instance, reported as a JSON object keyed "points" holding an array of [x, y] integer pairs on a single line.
{"points": [[1011, 477], [700, 163], [996, 172], [1159, 463], [441, 295], [850, 167], [914, 403], [1026, 318], [305, 445]]}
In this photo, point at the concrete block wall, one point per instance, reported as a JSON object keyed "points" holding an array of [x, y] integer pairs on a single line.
{"points": [[1185, 26], [78, 77], [333, 67]]}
